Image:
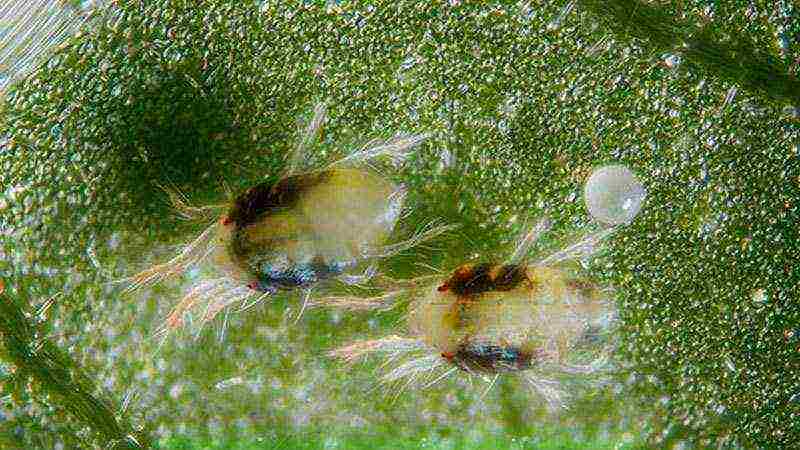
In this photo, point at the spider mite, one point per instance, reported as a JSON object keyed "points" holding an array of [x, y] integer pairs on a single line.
{"points": [[309, 227], [535, 318]]}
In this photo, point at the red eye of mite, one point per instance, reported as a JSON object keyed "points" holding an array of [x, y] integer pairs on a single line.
{"points": [[226, 220], [252, 285], [448, 355], [443, 288]]}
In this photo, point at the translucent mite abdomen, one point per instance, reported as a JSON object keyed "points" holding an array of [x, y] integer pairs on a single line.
{"points": [[310, 227], [536, 319], [496, 318]]}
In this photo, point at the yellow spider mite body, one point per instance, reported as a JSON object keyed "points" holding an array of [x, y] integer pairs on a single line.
{"points": [[539, 319], [305, 228], [494, 318], [309, 227]]}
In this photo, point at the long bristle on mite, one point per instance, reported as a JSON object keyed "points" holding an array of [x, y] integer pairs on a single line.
{"points": [[180, 203], [296, 158], [424, 233], [396, 148], [585, 246], [383, 302], [549, 390], [416, 366], [175, 319], [423, 372], [389, 345], [395, 294], [191, 254], [527, 240], [208, 298]]}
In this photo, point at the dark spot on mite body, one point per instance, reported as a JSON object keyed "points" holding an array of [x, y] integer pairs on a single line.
{"points": [[490, 358], [274, 271], [299, 275], [468, 282], [472, 280], [259, 200], [267, 263]]}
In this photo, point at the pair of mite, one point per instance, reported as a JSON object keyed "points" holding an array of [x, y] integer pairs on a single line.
{"points": [[315, 225]]}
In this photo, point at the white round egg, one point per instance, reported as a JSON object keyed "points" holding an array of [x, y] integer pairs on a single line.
{"points": [[613, 194]]}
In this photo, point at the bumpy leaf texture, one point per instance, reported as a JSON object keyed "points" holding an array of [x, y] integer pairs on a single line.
{"points": [[524, 100]]}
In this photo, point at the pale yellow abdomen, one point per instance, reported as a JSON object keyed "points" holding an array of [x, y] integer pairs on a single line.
{"points": [[543, 316]]}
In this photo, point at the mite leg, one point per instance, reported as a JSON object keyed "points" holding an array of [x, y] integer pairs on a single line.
{"points": [[423, 234], [577, 369], [395, 290], [397, 148], [192, 254], [256, 299], [441, 377], [526, 241], [351, 280], [352, 303], [549, 390], [306, 297], [208, 288], [491, 385], [410, 371], [386, 282], [229, 297], [298, 155], [584, 247], [181, 204], [391, 345]]}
